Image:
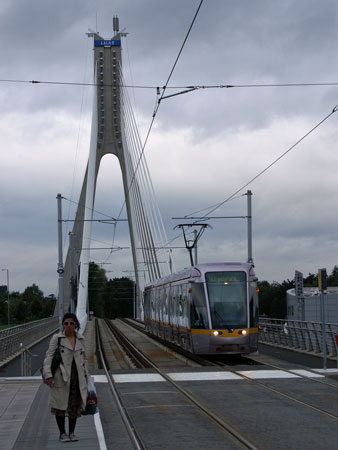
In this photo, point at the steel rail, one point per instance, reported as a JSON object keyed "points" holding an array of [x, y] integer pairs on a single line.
{"points": [[292, 371], [135, 438], [135, 356], [220, 422], [228, 368]]}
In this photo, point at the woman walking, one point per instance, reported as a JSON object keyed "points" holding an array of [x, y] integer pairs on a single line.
{"points": [[68, 393]]}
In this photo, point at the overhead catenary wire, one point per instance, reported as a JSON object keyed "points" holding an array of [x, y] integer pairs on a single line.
{"points": [[214, 207], [189, 88], [94, 210]]}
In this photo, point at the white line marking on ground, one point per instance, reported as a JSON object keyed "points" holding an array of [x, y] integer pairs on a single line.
{"points": [[210, 376], [99, 431], [137, 378], [100, 378], [331, 371], [306, 373], [256, 374], [197, 376]]}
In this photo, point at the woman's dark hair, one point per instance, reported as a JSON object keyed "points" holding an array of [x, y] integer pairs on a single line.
{"points": [[73, 317]]}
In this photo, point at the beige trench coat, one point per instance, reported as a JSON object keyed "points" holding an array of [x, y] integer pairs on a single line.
{"points": [[59, 393]]}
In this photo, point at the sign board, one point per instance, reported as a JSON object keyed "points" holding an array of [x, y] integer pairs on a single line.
{"points": [[322, 282], [107, 43], [299, 288]]}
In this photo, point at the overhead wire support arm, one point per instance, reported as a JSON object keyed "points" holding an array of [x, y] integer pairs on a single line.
{"points": [[178, 93], [210, 218], [109, 221], [191, 243]]}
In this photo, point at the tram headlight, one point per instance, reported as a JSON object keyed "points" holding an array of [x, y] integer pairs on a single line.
{"points": [[217, 333], [243, 332]]}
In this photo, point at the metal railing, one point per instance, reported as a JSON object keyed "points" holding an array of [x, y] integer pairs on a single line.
{"points": [[305, 336], [12, 340], [26, 363]]}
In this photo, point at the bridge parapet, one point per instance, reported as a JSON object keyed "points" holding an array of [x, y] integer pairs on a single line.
{"points": [[298, 335], [13, 339]]}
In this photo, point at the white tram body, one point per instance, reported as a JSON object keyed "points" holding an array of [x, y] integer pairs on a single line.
{"points": [[205, 309]]}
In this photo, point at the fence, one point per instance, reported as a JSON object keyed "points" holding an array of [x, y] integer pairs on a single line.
{"points": [[12, 340], [306, 336], [26, 363]]}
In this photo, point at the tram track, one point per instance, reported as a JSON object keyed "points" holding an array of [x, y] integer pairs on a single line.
{"points": [[225, 367], [141, 360], [228, 368], [130, 427]]}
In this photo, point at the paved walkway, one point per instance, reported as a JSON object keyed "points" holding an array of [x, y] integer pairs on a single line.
{"points": [[26, 422]]}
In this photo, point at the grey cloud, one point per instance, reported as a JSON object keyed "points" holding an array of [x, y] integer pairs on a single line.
{"points": [[231, 43]]}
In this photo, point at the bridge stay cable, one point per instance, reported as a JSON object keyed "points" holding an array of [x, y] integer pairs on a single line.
{"points": [[162, 95]]}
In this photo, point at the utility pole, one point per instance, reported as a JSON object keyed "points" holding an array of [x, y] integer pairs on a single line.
{"points": [[195, 239], [249, 216], [60, 269], [9, 320], [322, 284], [72, 273], [8, 310]]}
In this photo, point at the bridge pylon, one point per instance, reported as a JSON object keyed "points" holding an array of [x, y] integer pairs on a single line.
{"points": [[114, 132]]}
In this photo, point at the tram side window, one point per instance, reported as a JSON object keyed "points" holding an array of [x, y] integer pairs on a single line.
{"points": [[147, 304], [152, 301], [253, 307], [157, 300], [173, 306], [198, 309], [185, 322], [165, 304]]}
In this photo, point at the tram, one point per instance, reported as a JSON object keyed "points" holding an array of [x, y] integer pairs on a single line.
{"points": [[206, 309]]}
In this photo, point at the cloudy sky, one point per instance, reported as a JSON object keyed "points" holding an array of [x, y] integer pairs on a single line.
{"points": [[204, 145]]}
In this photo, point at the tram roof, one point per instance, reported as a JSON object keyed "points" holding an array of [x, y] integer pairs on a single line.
{"points": [[198, 271]]}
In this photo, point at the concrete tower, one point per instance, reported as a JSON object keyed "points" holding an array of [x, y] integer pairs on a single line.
{"points": [[107, 137]]}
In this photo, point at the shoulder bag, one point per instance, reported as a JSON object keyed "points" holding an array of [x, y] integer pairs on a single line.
{"points": [[55, 361], [91, 405]]}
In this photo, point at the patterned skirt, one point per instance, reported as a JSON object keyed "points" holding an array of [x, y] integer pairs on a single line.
{"points": [[74, 400]]}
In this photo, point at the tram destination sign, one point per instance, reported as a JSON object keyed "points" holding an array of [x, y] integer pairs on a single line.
{"points": [[107, 43], [225, 277]]}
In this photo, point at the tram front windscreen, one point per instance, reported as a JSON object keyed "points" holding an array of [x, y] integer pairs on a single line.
{"points": [[227, 292]]}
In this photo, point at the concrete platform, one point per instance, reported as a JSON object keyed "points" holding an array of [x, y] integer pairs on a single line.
{"points": [[26, 421]]}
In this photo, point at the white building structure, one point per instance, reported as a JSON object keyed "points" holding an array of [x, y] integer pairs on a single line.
{"points": [[311, 302]]}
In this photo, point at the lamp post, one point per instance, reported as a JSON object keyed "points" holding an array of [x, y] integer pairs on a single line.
{"points": [[9, 322]]}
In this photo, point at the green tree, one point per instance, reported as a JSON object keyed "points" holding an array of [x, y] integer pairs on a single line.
{"points": [[22, 312], [31, 293], [332, 280], [36, 306], [119, 298], [48, 306], [311, 280], [97, 282], [272, 298], [109, 298]]}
